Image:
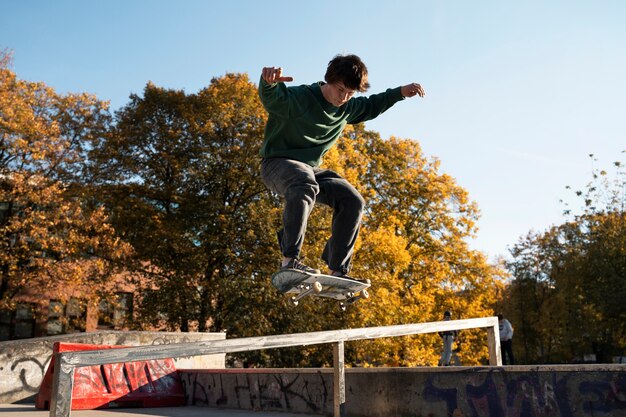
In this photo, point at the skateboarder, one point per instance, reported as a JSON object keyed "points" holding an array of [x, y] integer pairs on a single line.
{"points": [[304, 123]]}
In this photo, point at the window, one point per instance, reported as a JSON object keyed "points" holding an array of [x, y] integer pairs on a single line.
{"points": [[56, 311], [116, 314], [124, 308], [105, 314], [76, 313], [24, 321], [18, 324], [70, 318], [5, 325]]}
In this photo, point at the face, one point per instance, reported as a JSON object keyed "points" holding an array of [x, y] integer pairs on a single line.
{"points": [[338, 94]]}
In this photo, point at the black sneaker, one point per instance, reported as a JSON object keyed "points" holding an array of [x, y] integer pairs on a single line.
{"points": [[296, 264]]}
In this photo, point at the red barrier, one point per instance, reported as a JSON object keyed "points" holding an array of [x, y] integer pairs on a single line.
{"points": [[153, 383]]}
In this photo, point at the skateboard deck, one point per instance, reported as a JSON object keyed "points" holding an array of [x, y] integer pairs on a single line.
{"points": [[303, 284]]}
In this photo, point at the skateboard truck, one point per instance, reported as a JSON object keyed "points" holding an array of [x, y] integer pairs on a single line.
{"points": [[308, 289], [351, 299]]}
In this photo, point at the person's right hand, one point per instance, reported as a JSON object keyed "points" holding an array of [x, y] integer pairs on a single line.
{"points": [[273, 75]]}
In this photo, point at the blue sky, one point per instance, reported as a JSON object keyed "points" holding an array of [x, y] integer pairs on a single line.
{"points": [[518, 93]]}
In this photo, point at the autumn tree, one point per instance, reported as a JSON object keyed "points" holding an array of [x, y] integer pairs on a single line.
{"points": [[413, 247], [180, 173], [50, 238], [573, 274], [532, 302], [176, 174]]}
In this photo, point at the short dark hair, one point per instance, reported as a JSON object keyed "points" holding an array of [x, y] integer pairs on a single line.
{"points": [[348, 69]]}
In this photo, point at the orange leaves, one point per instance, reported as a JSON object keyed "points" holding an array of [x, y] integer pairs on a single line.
{"points": [[49, 239]]}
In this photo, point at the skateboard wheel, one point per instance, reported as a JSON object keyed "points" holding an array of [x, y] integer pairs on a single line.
{"points": [[342, 306], [294, 301], [365, 294], [317, 287]]}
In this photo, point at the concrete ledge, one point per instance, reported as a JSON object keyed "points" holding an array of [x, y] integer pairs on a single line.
{"points": [[23, 363], [538, 391]]}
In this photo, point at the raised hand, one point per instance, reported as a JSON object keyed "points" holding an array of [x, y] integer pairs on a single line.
{"points": [[411, 90], [273, 75]]}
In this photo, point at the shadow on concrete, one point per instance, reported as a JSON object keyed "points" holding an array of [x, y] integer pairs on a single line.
{"points": [[29, 410]]}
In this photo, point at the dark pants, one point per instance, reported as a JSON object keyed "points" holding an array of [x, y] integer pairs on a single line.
{"points": [[302, 185], [506, 347]]}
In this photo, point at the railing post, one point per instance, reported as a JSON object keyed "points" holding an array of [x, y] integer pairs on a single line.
{"points": [[62, 385], [493, 343], [339, 380]]}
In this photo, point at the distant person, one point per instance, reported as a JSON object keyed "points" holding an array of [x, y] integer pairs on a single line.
{"points": [[304, 122], [506, 340], [448, 338]]}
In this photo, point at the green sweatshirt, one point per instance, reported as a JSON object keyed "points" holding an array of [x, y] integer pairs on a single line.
{"points": [[303, 126]]}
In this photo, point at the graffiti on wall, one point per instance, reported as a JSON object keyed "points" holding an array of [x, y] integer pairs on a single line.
{"points": [[24, 376], [23, 365], [258, 391], [530, 394], [470, 393]]}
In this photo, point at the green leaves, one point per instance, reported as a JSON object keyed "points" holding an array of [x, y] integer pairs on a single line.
{"points": [[179, 172], [571, 274]]}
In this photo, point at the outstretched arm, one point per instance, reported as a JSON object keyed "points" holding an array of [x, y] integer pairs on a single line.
{"points": [[273, 75], [411, 90], [273, 92]]}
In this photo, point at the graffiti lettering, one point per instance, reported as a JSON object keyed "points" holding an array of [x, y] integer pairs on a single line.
{"points": [[530, 394], [31, 371], [257, 391]]}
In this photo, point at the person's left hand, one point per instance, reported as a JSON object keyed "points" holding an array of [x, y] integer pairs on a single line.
{"points": [[411, 90]]}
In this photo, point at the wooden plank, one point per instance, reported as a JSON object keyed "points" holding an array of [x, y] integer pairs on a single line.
{"points": [[175, 350], [339, 380]]}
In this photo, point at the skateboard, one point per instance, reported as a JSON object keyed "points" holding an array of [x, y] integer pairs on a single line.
{"points": [[302, 284]]}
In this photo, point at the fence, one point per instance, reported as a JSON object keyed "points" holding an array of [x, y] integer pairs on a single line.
{"points": [[66, 362]]}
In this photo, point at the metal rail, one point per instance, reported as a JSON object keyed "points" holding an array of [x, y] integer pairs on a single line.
{"points": [[66, 362]]}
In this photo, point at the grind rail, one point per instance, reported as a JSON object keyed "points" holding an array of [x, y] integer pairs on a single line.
{"points": [[67, 362]]}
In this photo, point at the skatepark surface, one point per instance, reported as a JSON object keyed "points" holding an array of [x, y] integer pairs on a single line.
{"points": [[29, 410]]}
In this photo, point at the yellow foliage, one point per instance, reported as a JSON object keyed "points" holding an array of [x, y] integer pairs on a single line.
{"points": [[48, 240], [413, 248]]}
